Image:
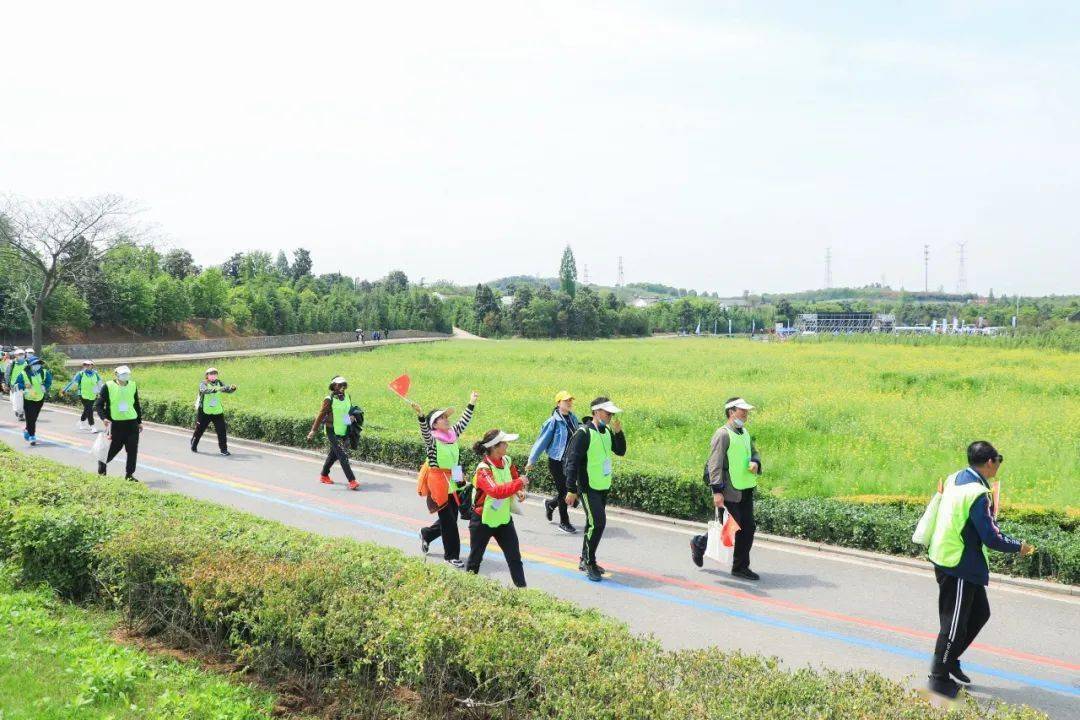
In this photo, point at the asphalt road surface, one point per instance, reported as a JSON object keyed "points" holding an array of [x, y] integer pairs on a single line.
{"points": [[810, 607]]}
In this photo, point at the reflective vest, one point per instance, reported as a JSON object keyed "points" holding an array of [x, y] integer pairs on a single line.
{"points": [[448, 457], [16, 370], [121, 400], [599, 459], [339, 409], [496, 513], [35, 386], [738, 460], [212, 403], [947, 542], [88, 385]]}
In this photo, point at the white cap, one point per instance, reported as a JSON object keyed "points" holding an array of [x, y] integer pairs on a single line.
{"points": [[87, 362], [438, 414], [210, 370], [337, 381], [18, 351], [501, 437], [739, 403], [123, 370], [607, 405]]}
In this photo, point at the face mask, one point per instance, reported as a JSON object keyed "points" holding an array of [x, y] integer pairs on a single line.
{"points": [[738, 423], [124, 377], [212, 378]]}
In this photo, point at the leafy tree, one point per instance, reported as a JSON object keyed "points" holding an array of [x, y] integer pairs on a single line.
{"points": [[585, 314], [171, 301], [281, 265], [209, 292], [486, 307], [785, 310], [179, 264], [396, 282], [568, 272], [231, 267], [301, 264]]}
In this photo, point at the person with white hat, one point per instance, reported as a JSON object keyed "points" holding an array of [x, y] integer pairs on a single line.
{"points": [[89, 383], [588, 475], [14, 370], [120, 411], [336, 416], [554, 436], [34, 383], [495, 485], [731, 473], [442, 478], [209, 409]]}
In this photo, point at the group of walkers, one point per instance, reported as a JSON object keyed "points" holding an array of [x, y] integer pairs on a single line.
{"points": [[580, 456]]}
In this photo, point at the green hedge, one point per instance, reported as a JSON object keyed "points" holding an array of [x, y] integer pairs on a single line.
{"points": [[353, 620], [881, 527]]}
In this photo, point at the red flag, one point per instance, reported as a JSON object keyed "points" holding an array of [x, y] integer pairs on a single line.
{"points": [[400, 386], [727, 533]]}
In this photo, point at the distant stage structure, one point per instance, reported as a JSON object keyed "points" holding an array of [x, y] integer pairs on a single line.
{"points": [[843, 323]]}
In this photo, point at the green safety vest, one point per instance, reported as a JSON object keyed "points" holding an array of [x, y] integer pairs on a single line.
{"points": [[121, 400], [599, 459], [448, 457], [496, 512], [212, 404], [947, 542], [88, 386], [738, 460], [340, 410], [16, 370], [35, 386]]}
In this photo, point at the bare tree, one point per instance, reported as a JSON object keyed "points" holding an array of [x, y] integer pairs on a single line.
{"points": [[58, 241]]}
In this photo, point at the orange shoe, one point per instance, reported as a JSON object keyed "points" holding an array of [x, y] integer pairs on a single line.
{"points": [[353, 485], [325, 480]]}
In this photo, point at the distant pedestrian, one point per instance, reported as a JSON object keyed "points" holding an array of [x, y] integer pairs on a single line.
{"points": [[336, 415], [441, 478], [555, 434], [588, 467], [209, 409], [495, 485], [14, 370], [732, 469], [359, 335], [964, 530], [89, 384], [34, 383], [120, 411]]}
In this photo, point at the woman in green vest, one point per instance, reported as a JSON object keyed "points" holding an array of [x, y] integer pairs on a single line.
{"points": [[14, 370], [34, 383], [336, 416], [443, 477], [209, 409], [495, 486], [89, 384], [120, 411]]}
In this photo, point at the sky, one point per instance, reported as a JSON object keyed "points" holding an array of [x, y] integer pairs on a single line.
{"points": [[713, 144]]}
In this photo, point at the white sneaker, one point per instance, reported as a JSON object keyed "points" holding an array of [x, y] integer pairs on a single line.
{"points": [[94, 429], [83, 425]]}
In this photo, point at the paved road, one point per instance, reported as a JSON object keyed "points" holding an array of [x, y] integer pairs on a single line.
{"points": [[810, 608]]}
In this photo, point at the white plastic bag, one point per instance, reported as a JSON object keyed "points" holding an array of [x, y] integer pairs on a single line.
{"points": [[100, 448], [17, 400], [515, 506], [715, 547], [924, 530]]}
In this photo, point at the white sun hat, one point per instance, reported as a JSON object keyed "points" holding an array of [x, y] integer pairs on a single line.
{"points": [[210, 370], [501, 437], [739, 403], [336, 381], [123, 370], [608, 406]]}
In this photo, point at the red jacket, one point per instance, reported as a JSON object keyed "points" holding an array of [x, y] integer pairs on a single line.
{"points": [[485, 484]]}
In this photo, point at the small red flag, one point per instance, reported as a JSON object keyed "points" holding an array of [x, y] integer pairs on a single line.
{"points": [[400, 385]]}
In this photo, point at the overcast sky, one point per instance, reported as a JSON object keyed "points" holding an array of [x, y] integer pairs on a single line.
{"points": [[715, 145]]}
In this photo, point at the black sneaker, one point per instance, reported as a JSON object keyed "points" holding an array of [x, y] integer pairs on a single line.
{"points": [[567, 528], [943, 686], [101, 469], [697, 554], [132, 478], [746, 574], [549, 509], [959, 674], [585, 568], [226, 453], [455, 562], [594, 573], [424, 544], [194, 449]]}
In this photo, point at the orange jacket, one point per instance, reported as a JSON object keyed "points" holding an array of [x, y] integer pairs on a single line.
{"points": [[434, 484]]}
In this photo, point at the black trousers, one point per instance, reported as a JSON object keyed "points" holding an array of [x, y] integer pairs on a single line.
{"points": [[445, 526], [336, 454], [506, 535], [87, 411], [32, 408], [202, 420], [743, 512], [124, 435], [595, 504], [963, 609], [557, 474]]}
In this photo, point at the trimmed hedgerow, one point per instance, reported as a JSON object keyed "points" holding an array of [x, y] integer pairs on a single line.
{"points": [[355, 618]]}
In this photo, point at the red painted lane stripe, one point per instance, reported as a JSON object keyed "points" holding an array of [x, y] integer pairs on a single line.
{"points": [[636, 572]]}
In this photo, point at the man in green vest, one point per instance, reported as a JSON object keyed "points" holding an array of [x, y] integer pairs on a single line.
{"points": [[587, 464], [34, 382], [14, 370], [209, 409], [89, 384], [732, 472], [119, 409], [964, 529]]}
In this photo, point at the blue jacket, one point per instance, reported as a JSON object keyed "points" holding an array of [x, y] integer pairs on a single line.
{"points": [[553, 436], [980, 529], [21, 383], [78, 378]]}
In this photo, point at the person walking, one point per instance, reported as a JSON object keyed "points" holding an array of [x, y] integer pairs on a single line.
{"points": [[209, 409], [14, 369], [588, 467], [554, 436], [121, 413], [34, 382], [964, 530], [89, 384], [336, 416], [732, 470], [441, 478], [495, 484]]}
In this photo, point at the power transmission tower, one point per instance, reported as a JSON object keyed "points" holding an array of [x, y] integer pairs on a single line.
{"points": [[828, 268], [586, 275], [961, 277], [619, 283], [926, 267]]}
